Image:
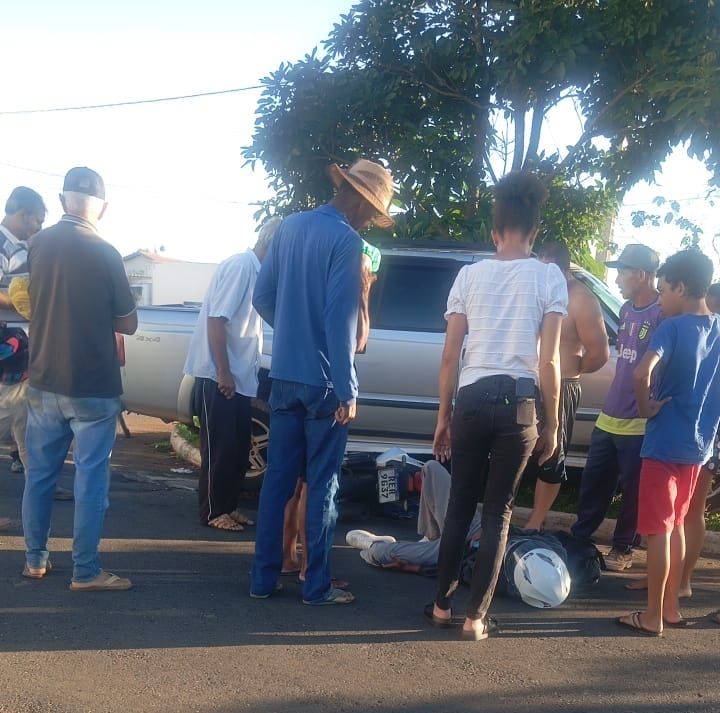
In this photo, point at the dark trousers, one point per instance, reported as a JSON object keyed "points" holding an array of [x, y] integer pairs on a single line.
{"points": [[612, 461], [484, 425], [225, 431]]}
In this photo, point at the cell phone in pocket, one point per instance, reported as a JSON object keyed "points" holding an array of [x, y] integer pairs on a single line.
{"points": [[525, 401], [524, 388]]}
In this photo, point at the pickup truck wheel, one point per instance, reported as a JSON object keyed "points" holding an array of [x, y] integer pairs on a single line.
{"points": [[258, 446]]}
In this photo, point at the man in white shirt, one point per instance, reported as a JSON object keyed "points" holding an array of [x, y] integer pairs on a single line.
{"points": [[223, 357]]}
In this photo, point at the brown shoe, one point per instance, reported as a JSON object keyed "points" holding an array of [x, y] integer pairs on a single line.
{"points": [[36, 572], [104, 582], [617, 561]]}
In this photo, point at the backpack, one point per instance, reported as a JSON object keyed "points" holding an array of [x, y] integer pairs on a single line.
{"points": [[584, 561]]}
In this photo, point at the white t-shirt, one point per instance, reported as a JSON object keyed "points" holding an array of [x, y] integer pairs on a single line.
{"points": [[504, 302], [230, 296]]}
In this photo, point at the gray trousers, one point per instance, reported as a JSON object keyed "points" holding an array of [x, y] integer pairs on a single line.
{"points": [[431, 518]]}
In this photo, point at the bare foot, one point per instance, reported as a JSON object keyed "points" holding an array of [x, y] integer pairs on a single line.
{"points": [[438, 613]]}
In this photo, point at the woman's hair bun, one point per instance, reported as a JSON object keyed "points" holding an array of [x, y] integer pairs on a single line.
{"points": [[525, 188]]}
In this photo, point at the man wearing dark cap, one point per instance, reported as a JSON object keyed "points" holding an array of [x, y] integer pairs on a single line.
{"points": [[308, 290], [80, 296], [614, 455]]}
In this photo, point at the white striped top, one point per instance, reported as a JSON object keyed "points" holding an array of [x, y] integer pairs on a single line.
{"points": [[504, 302]]}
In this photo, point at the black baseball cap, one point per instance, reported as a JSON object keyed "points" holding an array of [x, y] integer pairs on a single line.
{"points": [[82, 179], [637, 257]]}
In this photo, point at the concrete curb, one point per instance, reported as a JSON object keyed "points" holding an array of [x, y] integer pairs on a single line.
{"points": [[554, 521], [563, 521], [186, 451]]}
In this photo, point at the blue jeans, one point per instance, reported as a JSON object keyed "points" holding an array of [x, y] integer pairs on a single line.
{"points": [[53, 421], [304, 438], [613, 462]]}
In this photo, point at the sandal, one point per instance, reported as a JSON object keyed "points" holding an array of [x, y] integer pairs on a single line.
{"points": [[489, 626], [437, 621], [104, 582], [679, 624], [36, 572], [225, 522], [715, 616], [241, 518], [635, 623], [335, 596]]}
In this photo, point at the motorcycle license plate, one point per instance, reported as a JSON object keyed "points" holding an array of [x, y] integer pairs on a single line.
{"points": [[387, 486]]}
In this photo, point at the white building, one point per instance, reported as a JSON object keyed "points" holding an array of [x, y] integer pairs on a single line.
{"points": [[159, 280]]}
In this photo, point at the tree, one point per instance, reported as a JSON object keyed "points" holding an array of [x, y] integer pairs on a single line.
{"points": [[454, 93]]}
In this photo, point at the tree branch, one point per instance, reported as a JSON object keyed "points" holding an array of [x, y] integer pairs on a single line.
{"points": [[535, 131], [589, 130], [519, 149]]}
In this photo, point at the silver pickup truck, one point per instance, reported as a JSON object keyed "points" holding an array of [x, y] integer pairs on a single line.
{"points": [[398, 372]]}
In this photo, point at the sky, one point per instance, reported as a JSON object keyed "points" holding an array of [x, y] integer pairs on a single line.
{"points": [[174, 170]]}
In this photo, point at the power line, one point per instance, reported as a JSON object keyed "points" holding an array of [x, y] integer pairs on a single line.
{"points": [[122, 186], [135, 102]]}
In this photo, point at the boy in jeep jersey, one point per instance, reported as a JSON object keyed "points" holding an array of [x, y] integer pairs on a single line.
{"points": [[614, 457]]}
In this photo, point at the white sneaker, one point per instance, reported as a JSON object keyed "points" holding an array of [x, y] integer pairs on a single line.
{"points": [[362, 539]]}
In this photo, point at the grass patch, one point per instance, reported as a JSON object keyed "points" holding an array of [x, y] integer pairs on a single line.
{"points": [[712, 521], [162, 446], [189, 434]]}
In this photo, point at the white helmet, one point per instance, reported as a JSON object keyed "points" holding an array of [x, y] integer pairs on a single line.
{"points": [[542, 578]]}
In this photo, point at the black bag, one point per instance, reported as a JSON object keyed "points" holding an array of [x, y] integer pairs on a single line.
{"points": [[584, 561]]}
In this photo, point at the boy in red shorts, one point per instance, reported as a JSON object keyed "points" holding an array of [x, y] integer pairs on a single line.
{"points": [[682, 418]]}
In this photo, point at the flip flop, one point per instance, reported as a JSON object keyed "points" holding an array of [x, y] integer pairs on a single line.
{"points": [[104, 582], [335, 596], [36, 572], [288, 572], [635, 624], [225, 522], [241, 518]]}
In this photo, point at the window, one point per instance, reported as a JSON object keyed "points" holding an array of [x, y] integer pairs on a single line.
{"points": [[411, 293]]}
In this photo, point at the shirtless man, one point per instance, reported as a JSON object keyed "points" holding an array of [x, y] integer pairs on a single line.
{"points": [[583, 350]]}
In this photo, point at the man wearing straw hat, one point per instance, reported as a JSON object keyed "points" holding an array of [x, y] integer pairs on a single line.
{"points": [[308, 291]]}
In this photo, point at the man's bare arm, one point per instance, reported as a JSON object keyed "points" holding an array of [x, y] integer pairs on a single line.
{"points": [[217, 339], [366, 282], [5, 301], [590, 327]]}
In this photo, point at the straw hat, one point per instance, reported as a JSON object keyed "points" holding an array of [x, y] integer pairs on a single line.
{"points": [[372, 182]]}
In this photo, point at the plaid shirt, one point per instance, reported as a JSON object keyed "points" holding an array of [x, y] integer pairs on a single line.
{"points": [[13, 256]]}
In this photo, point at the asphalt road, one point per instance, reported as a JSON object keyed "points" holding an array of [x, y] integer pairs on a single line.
{"points": [[188, 638]]}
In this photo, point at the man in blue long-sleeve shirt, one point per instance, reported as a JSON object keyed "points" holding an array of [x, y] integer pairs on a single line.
{"points": [[308, 290]]}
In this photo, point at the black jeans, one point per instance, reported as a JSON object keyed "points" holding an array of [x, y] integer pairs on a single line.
{"points": [[484, 424], [225, 431]]}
